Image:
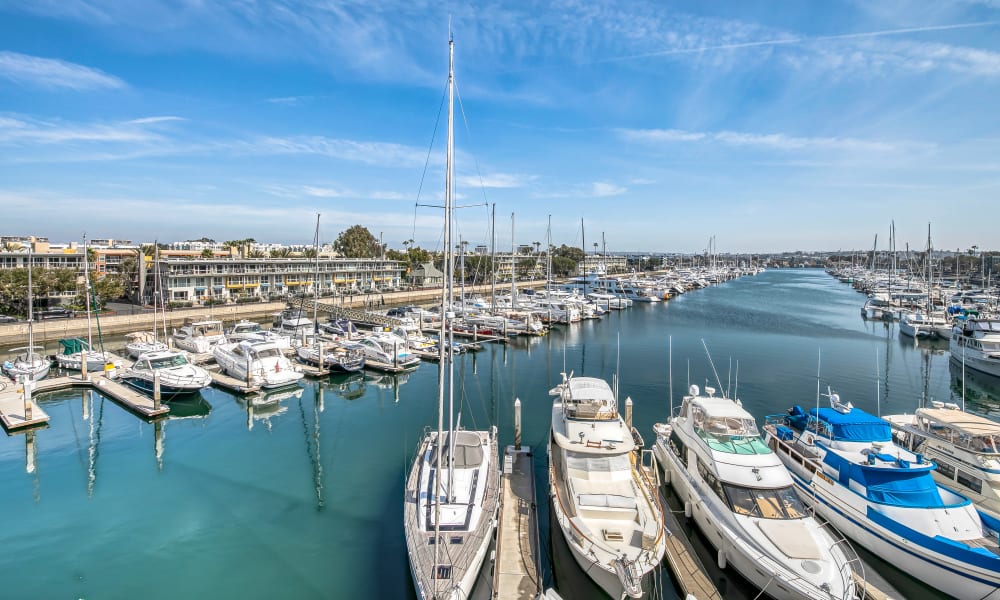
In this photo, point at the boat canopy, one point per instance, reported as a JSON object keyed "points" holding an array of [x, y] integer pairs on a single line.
{"points": [[854, 426], [894, 484]]}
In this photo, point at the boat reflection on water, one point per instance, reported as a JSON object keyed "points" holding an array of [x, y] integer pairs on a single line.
{"points": [[387, 381], [349, 387], [190, 407], [263, 407], [978, 392]]}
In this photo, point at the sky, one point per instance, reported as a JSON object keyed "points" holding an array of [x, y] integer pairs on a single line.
{"points": [[643, 125]]}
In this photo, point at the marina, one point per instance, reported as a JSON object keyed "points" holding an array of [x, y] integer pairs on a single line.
{"points": [[276, 475]]}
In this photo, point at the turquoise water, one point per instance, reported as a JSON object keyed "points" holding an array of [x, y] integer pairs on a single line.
{"points": [[301, 496]]}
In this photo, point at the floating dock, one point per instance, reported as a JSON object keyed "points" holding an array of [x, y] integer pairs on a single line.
{"points": [[687, 570], [13, 411], [12, 399], [232, 384], [516, 575]]}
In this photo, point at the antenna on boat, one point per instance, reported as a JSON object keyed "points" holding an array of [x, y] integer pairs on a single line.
{"points": [[670, 372], [963, 377], [819, 363], [878, 388], [729, 380], [711, 363], [736, 390]]}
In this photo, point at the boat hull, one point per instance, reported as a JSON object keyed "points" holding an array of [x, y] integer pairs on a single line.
{"points": [[167, 392]]}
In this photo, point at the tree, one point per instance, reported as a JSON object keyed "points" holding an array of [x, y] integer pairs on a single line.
{"points": [[357, 242], [563, 266], [108, 287], [207, 253], [281, 253], [309, 253]]}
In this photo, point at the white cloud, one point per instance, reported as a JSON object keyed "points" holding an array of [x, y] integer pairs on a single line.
{"points": [[372, 153], [496, 180], [774, 141], [601, 189], [150, 120], [28, 131], [52, 73]]}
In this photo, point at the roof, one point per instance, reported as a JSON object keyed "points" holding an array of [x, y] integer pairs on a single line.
{"points": [[582, 389], [958, 419], [721, 407]]}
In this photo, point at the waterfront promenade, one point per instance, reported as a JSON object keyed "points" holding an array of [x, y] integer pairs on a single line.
{"points": [[56, 329]]}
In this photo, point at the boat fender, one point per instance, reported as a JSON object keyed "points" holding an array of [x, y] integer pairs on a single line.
{"points": [[687, 509], [721, 559], [666, 476]]}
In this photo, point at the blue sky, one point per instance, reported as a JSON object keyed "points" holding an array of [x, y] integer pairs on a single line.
{"points": [[769, 125]]}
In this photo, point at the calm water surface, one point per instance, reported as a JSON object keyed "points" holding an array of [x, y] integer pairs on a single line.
{"points": [[299, 495]]}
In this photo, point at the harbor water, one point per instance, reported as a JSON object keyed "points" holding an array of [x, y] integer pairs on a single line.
{"points": [[300, 494]]}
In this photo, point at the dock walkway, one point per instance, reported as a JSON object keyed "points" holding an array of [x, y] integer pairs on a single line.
{"points": [[516, 575], [12, 399]]}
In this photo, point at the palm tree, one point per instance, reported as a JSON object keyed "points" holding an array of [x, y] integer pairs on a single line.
{"points": [[207, 253]]}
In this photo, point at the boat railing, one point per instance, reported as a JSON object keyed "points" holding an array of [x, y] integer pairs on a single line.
{"points": [[649, 487], [852, 570]]}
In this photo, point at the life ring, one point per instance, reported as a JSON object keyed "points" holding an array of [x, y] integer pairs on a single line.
{"points": [[809, 439]]}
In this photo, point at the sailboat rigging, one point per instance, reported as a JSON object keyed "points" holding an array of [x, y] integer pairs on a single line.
{"points": [[452, 492]]}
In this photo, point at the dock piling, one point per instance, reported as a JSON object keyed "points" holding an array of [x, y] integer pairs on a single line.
{"points": [[26, 385], [517, 424], [83, 366], [156, 390], [628, 412]]}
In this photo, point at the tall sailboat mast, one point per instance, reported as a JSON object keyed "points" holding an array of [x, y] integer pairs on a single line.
{"points": [[86, 293], [444, 351]]}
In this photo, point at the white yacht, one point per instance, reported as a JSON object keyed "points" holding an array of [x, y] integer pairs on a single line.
{"points": [[975, 343], [965, 447], [921, 324], [608, 510], [198, 337], [883, 496], [253, 332], [256, 362], [743, 499], [389, 350], [178, 377]]}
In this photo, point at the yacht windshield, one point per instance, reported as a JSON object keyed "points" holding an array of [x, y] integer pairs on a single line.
{"points": [[268, 353], [780, 503], [166, 362]]}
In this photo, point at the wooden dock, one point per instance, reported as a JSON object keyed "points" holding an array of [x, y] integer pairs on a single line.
{"points": [[687, 570], [12, 402], [310, 370], [232, 384], [516, 574], [12, 409]]}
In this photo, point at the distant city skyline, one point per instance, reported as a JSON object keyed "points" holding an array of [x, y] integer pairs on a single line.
{"points": [[657, 124]]}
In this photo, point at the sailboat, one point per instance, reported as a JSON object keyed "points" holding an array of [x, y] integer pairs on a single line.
{"points": [[77, 351], [148, 341], [453, 488], [29, 364]]}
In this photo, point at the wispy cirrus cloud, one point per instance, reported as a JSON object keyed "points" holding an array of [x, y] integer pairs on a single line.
{"points": [[367, 152], [496, 180], [772, 141], [51, 73], [25, 131], [596, 189]]}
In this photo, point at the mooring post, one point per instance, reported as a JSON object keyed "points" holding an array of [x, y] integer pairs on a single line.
{"points": [[26, 385], [249, 375], [628, 412], [320, 359], [156, 390], [395, 355], [517, 423], [83, 365]]}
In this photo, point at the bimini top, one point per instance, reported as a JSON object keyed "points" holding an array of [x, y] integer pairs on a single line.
{"points": [[853, 426]]}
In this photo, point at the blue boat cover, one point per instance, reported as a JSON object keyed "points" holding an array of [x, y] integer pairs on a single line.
{"points": [[889, 484], [855, 426]]}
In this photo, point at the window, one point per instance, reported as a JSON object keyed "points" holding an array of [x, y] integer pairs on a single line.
{"points": [[677, 446], [946, 470], [780, 503], [970, 481], [711, 480]]}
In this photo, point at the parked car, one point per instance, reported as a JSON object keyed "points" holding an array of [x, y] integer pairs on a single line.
{"points": [[7, 319], [56, 312]]}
